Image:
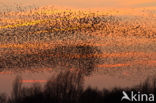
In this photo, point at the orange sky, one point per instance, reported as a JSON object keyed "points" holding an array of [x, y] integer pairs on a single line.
{"points": [[81, 3]]}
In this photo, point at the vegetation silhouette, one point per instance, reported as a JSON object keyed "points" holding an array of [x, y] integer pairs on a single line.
{"points": [[68, 87]]}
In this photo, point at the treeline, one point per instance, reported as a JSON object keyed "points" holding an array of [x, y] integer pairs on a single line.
{"points": [[67, 87]]}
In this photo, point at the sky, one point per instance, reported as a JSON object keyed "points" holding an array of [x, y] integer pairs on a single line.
{"points": [[80, 3], [12, 4]]}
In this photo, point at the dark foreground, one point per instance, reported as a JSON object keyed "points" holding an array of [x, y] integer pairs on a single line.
{"points": [[67, 87]]}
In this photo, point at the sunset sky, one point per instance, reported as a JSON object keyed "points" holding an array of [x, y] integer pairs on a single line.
{"points": [[116, 42], [81, 3]]}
